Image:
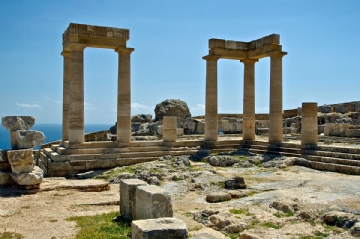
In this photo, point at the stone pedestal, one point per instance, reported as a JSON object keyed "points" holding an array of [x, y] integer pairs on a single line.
{"points": [[152, 202], [211, 101], [309, 125], [159, 228], [249, 99], [128, 198], [169, 128]]}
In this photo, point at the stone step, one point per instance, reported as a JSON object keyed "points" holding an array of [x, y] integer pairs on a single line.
{"points": [[332, 154], [332, 160], [275, 149], [339, 168]]}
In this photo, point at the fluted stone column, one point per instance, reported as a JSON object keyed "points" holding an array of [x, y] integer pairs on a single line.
{"points": [[124, 97], [309, 124], [76, 99], [275, 114], [66, 96], [211, 102], [249, 99]]}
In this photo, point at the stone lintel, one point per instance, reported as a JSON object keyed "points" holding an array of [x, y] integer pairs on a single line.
{"points": [[95, 36], [273, 39]]}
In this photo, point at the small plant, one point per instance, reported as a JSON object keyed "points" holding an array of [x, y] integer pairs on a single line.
{"points": [[11, 235], [321, 234], [233, 236], [188, 214], [271, 225], [238, 211]]}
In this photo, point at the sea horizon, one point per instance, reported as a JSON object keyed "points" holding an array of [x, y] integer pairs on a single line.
{"points": [[52, 132]]}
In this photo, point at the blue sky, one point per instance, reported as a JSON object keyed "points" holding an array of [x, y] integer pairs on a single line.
{"points": [[170, 38]]}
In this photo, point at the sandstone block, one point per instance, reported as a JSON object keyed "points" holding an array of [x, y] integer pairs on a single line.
{"points": [[128, 198], [33, 178], [18, 122], [152, 202], [169, 228], [26, 139], [22, 161]]}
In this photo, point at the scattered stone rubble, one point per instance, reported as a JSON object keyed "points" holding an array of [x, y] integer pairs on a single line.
{"points": [[20, 158]]}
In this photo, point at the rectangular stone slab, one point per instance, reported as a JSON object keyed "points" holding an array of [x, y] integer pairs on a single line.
{"points": [[127, 197], [168, 227], [152, 202]]}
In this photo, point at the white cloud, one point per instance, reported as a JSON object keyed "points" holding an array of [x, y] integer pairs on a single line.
{"points": [[137, 106], [197, 110], [28, 106]]}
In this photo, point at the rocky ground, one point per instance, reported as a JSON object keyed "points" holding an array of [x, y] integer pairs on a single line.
{"points": [[235, 195]]}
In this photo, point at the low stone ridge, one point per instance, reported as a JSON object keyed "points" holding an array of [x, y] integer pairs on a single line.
{"points": [[26, 139], [18, 122], [172, 107], [167, 227]]}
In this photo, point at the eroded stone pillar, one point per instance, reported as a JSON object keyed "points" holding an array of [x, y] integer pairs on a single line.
{"points": [[76, 99], [211, 102], [249, 99], [124, 97], [309, 124], [275, 114], [66, 96]]}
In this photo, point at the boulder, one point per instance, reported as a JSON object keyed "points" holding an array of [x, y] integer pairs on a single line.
{"points": [[141, 118], [218, 197], [203, 216], [235, 183], [355, 230], [33, 178], [285, 206], [5, 178], [172, 107], [340, 219], [21, 161], [224, 223], [18, 122], [26, 139], [222, 161]]}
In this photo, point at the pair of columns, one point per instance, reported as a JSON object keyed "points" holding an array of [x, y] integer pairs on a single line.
{"points": [[275, 114], [73, 95]]}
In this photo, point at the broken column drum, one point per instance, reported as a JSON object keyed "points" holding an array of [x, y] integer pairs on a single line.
{"points": [[309, 125], [76, 38], [248, 53]]}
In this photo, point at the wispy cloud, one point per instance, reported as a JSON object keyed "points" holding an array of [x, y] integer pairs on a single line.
{"points": [[197, 110], [137, 106], [28, 106], [89, 106]]}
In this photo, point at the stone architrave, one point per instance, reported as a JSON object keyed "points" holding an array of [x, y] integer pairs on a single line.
{"points": [[309, 125], [26, 139], [169, 128], [13, 123], [128, 198], [152, 202], [167, 227]]}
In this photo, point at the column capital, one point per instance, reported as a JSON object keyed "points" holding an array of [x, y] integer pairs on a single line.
{"points": [[249, 60], [124, 50], [211, 57], [77, 46], [65, 53], [277, 54]]}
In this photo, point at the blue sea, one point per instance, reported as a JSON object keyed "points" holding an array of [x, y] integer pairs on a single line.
{"points": [[52, 132]]}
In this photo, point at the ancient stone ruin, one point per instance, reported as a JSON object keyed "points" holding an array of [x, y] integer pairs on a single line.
{"points": [[20, 157]]}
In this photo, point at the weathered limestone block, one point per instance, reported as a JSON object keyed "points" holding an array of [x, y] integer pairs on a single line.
{"points": [[169, 228], [26, 139], [341, 130], [18, 122], [127, 197], [4, 162], [33, 178], [152, 202], [169, 128], [21, 161], [5, 178]]}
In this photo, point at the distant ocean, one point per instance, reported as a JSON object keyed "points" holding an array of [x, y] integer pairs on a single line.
{"points": [[52, 132]]}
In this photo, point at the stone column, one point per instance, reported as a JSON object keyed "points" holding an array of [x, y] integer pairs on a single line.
{"points": [[76, 99], [309, 125], [66, 96], [275, 114], [124, 97], [249, 99], [211, 102], [169, 128]]}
